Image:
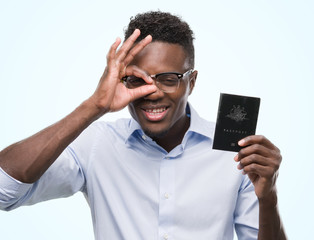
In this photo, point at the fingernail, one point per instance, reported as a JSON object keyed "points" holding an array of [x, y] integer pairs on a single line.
{"points": [[241, 142], [150, 79], [236, 158], [117, 39]]}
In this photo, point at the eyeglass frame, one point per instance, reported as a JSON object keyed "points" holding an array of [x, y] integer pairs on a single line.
{"points": [[155, 77]]}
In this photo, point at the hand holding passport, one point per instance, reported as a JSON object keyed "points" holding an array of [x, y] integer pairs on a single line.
{"points": [[236, 119]]}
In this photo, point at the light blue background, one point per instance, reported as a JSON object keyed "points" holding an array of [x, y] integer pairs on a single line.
{"points": [[52, 54]]}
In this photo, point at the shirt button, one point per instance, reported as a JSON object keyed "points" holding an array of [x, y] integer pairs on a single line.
{"points": [[144, 137], [166, 236], [166, 195]]}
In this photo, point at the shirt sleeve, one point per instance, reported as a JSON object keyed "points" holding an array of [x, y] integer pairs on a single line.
{"points": [[247, 212], [63, 178]]}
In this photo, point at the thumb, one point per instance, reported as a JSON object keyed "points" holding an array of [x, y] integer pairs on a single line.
{"points": [[142, 91]]}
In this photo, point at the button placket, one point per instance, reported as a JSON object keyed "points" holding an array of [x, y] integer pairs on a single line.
{"points": [[166, 202], [166, 195], [166, 236]]}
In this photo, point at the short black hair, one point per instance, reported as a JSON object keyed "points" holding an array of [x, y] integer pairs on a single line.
{"points": [[163, 27]]}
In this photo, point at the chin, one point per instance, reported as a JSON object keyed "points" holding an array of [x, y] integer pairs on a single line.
{"points": [[155, 134]]}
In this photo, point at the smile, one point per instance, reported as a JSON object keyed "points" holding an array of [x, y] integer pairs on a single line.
{"points": [[155, 114], [155, 110]]}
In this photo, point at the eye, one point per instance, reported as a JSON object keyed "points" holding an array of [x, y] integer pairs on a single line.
{"points": [[168, 79], [135, 81]]}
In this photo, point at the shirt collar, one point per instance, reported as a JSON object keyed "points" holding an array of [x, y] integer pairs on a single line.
{"points": [[134, 128], [198, 125]]}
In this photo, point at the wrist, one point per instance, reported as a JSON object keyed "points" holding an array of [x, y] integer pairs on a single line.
{"points": [[270, 200], [94, 108], [88, 111]]}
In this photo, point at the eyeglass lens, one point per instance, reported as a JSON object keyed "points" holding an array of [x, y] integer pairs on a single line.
{"points": [[167, 82]]}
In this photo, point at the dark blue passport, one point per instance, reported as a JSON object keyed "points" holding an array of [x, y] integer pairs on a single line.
{"points": [[236, 119]]}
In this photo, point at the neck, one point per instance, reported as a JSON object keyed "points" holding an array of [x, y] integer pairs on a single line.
{"points": [[174, 136]]}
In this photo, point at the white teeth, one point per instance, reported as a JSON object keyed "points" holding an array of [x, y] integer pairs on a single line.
{"points": [[156, 110]]}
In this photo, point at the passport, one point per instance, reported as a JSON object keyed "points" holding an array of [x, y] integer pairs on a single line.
{"points": [[236, 119]]}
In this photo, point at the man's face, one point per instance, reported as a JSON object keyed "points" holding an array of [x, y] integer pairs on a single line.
{"points": [[163, 114]]}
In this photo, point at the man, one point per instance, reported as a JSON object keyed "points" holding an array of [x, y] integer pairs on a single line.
{"points": [[154, 176]]}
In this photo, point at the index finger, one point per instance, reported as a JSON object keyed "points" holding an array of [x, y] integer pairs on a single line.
{"points": [[136, 71]]}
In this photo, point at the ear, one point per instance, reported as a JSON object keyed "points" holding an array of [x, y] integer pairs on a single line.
{"points": [[193, 80]]}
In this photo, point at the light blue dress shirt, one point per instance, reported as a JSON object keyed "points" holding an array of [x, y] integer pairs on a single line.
{"points": [[136, 190]]}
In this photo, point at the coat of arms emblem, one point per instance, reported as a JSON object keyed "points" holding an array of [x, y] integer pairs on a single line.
{"points": [[237, 113]]}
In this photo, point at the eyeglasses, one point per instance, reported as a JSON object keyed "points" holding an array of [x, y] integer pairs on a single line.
{"points": [[167, 82]]}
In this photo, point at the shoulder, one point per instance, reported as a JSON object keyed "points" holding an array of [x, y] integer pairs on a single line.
{"points": [[108, 130], [120, 126], [102, 130]]}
